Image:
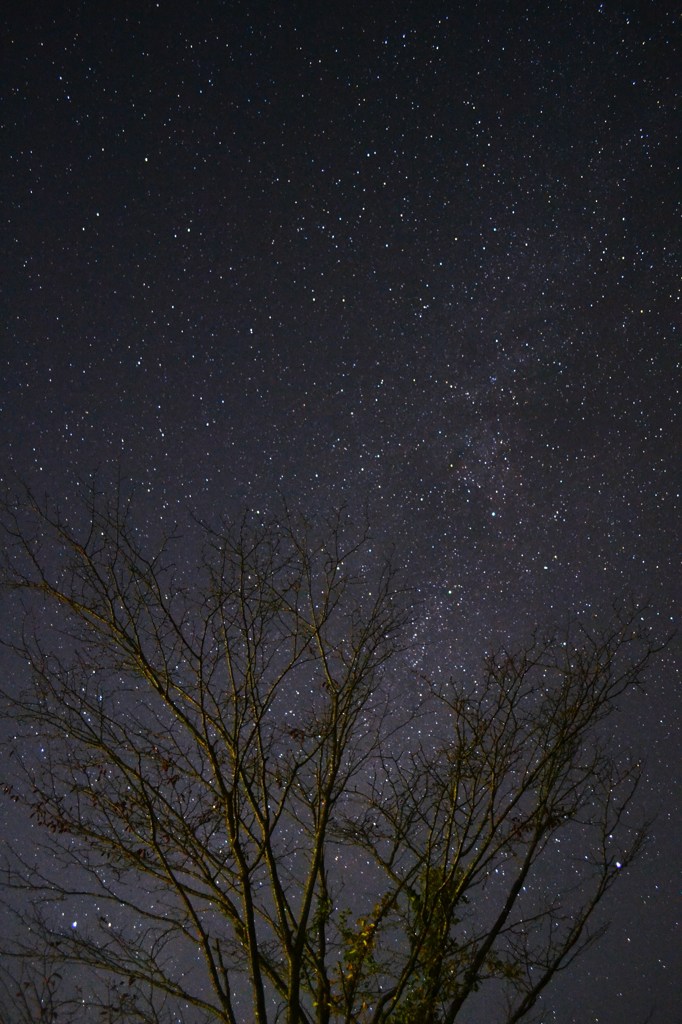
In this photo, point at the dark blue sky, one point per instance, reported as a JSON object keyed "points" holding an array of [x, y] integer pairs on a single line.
{"points": [[419, 254]]}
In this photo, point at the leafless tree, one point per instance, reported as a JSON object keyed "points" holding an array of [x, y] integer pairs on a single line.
{"points": [[258, 818], [30, 994]]}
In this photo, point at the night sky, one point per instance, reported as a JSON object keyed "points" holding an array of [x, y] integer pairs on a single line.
{"points": [[414, 255]]}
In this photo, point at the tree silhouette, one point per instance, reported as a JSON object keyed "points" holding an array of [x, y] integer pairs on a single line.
{"points": [[263, 814]]}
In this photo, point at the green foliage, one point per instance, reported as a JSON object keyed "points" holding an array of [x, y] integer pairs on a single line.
{"points": [[357, 962]]}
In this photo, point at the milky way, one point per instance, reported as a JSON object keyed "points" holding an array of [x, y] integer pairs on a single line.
{"points": [[402, 256]]}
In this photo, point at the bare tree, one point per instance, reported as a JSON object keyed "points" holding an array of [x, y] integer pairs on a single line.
{"points": [[30, 994], [237, 783]]}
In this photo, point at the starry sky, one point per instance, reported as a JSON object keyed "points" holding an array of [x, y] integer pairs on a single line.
{"points": [[415, 255]]}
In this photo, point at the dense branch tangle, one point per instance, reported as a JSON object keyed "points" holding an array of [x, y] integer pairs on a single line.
{"points": [[222, 752]]}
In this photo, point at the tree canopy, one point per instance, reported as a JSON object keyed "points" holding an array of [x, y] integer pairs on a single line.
{"points": [[264, 814]]}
